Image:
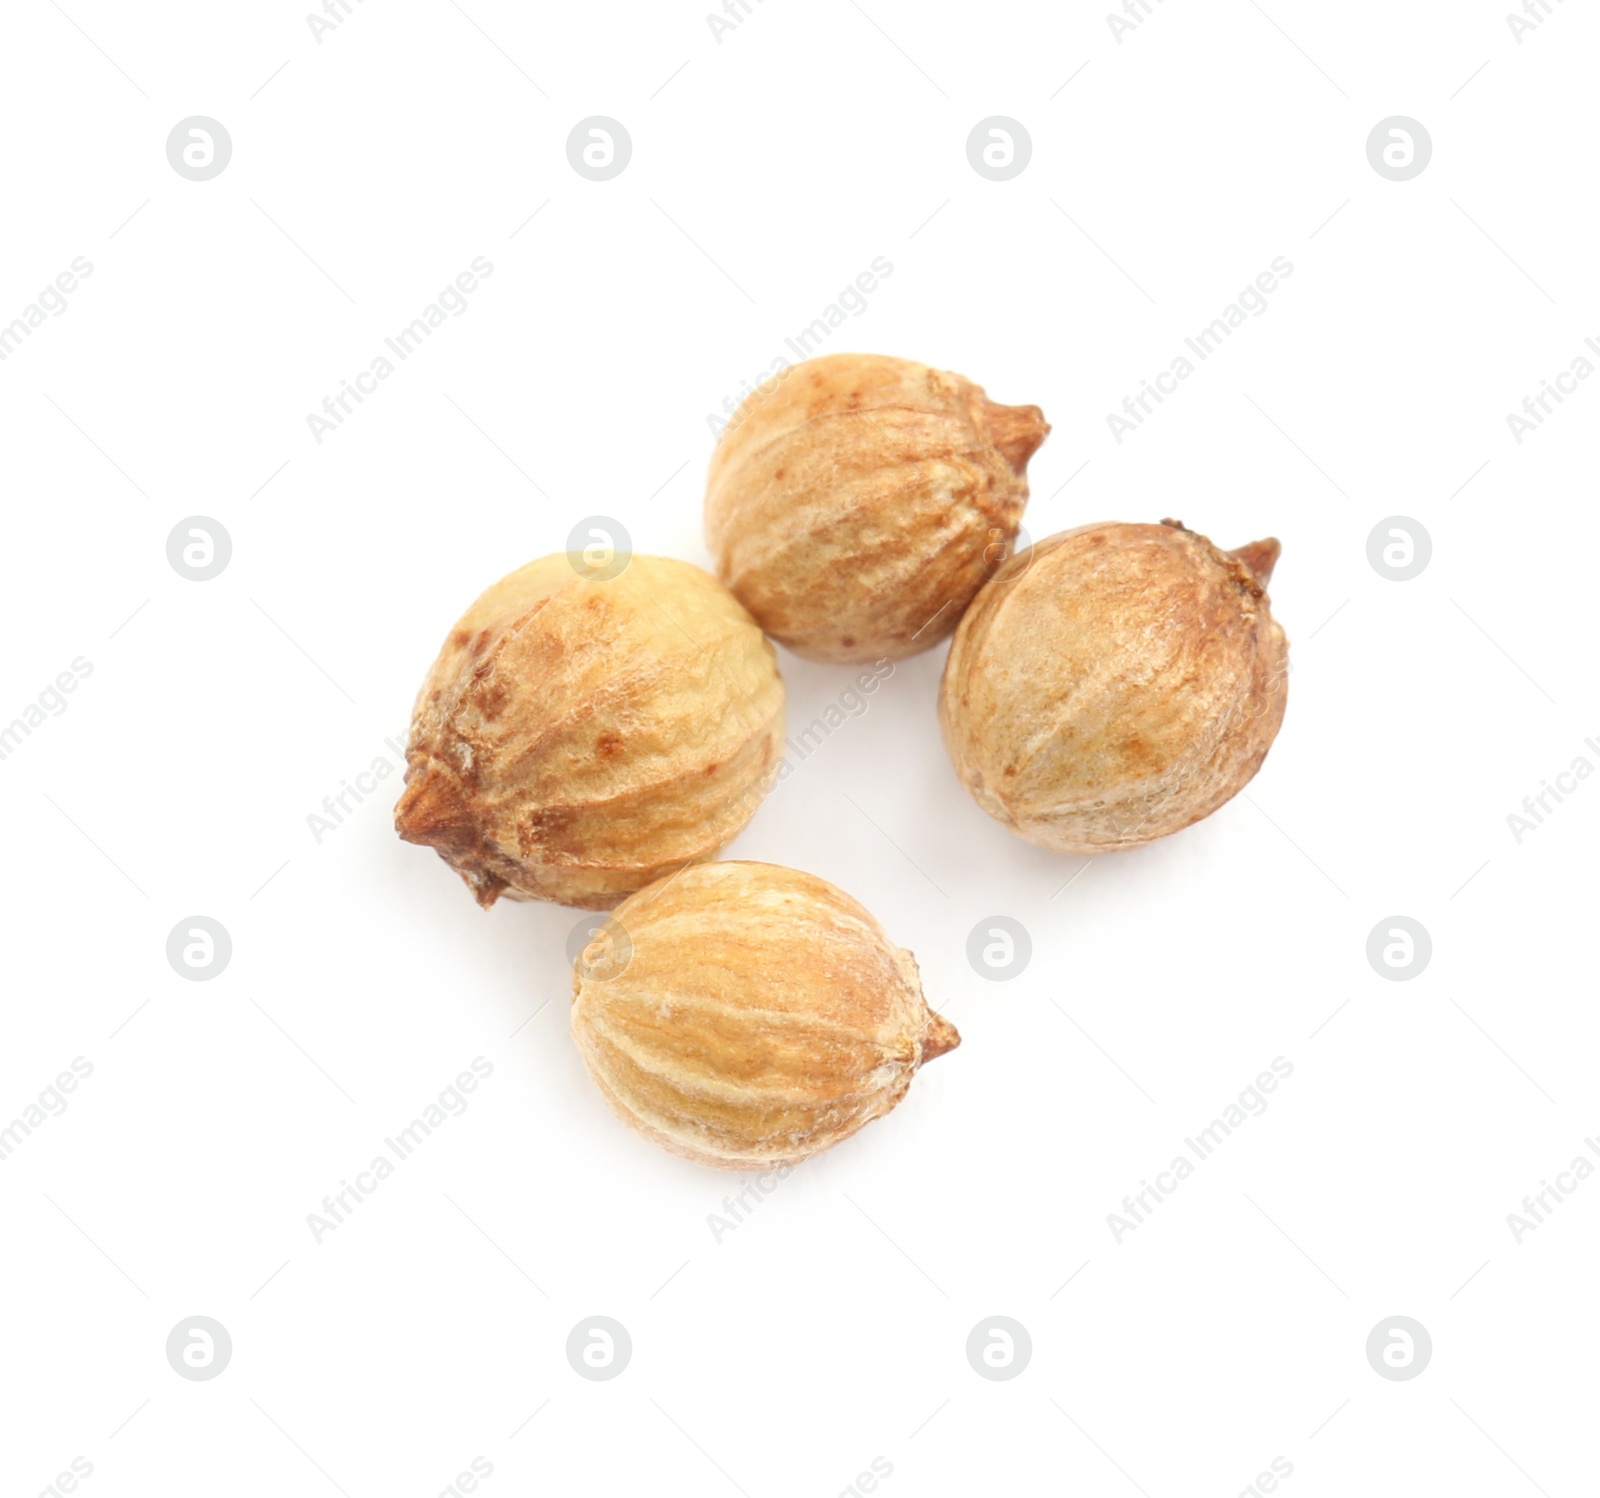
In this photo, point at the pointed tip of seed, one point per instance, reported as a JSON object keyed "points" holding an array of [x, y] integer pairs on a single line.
{"points": [[432, 813], [941, 1037], [1016, 431], [1260, 557]]}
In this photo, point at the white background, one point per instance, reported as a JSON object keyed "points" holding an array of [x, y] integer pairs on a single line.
{"points": [[830, 1327]]}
